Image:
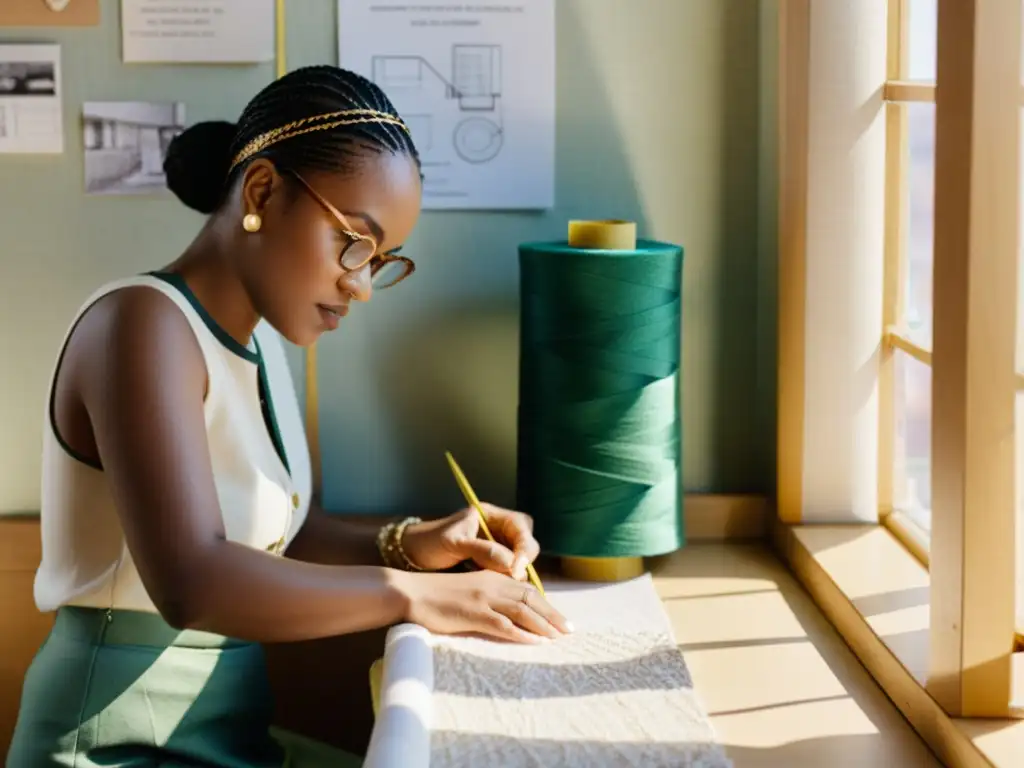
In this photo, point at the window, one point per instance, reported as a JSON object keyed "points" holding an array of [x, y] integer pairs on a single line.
{"points": [[909, 257], [978, 317], [899, 308], [910, 190]]}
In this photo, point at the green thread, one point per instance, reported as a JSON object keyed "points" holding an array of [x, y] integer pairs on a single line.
{"points": [[599, 443]]}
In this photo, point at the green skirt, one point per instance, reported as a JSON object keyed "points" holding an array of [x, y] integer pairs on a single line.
{"points": [[125, 689]]}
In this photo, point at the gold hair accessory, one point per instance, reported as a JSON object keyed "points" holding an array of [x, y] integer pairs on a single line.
{"points": [[389, 544], [322, 123], [251, 222]]}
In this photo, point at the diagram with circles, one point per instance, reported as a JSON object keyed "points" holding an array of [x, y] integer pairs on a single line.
{"points": [[475, 84], [470, 99]]}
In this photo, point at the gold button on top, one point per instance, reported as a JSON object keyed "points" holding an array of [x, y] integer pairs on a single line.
{"points": [[295, 500]]}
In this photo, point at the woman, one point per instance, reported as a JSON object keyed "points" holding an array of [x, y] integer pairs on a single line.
{"points": [[178, 530]]}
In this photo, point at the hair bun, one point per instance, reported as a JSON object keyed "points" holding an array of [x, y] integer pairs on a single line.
{"points": [[197, 164]]}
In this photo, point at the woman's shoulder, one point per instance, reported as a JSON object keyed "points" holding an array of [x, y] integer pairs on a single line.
{"points": [[129, 324], [148, 289], [133, 306], [129, 344]]}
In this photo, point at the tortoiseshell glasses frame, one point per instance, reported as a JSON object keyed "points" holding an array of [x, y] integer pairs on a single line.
{"points": [[386, 269]]}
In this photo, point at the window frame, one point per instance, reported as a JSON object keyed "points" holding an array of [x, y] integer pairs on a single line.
{"points": [[900, 92], [970, 554], [894, 342]]}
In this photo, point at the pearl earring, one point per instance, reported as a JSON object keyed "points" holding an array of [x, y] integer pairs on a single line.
{"points": [[251, 222]]}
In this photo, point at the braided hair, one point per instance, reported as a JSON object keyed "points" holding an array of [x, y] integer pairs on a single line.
{"points": [[199, 161]]}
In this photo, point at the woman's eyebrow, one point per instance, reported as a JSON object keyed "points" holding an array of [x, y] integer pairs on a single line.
{"points": [[375, 229]]}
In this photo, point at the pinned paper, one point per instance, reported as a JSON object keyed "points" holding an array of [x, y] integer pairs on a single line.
{"points": [[126, 143], [184, 31], [31, 117]]}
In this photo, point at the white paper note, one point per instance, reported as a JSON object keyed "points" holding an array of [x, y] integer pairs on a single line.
{"points": [[197, 31], [31, 118], [476, 84]]}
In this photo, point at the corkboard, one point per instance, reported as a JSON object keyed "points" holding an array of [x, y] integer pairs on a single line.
{"points": [[37, 13]]}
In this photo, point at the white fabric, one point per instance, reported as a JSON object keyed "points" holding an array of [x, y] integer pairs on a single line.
{"points": [[85, 560], [401, 731], [615, 693]]}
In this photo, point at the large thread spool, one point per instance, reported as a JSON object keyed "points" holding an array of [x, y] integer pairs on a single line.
{"points": [[599, 445]]}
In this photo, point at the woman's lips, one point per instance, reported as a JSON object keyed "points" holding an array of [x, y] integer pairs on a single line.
{"points": [[331, 314]]}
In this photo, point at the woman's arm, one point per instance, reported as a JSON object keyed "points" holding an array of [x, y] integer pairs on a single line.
{"points": [[142, 383], [332, 541]]}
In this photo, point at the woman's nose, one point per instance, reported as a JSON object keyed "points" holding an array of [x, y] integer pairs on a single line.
{"points": [[358, 283]]}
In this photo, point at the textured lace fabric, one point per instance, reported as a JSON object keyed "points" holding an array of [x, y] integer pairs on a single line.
{"points": [[615, 693]]}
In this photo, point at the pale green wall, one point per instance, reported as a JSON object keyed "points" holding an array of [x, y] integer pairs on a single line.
{"points": [[658, 121]]}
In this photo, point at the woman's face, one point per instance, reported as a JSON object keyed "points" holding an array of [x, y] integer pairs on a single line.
{"points": [[292, 267]]}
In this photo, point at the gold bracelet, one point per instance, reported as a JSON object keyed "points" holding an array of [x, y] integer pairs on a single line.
{"points": [[389, 544]]}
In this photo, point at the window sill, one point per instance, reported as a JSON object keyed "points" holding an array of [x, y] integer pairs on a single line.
{"points": [[876, 594], [912, 536], [915, 539]]}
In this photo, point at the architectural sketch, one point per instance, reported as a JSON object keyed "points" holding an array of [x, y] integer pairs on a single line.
{"points": [[473, 89], [475, 83], [477, 139]]}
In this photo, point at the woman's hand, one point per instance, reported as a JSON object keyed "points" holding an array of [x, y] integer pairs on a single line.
{"points": [[441, 544], [484, 602]]}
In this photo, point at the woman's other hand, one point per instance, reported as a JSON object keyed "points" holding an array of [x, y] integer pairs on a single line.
{"points": [[483, 602], [440, 544]]}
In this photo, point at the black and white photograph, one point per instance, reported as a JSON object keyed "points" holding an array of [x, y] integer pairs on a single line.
{"points": [[28, 78], [31, 115], [126, 143]]}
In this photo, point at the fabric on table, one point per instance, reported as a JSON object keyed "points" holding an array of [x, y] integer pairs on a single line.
{"points": [[617, 692]]}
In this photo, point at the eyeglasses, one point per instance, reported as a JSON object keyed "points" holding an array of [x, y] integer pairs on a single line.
{"points": [[386, 269]]}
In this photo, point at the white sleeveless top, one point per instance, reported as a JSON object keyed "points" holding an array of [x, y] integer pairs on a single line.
{"points": [[260, 458]]}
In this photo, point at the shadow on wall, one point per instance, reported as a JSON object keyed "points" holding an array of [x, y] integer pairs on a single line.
{"points": [[454, 383], [767, 247], [736, 460], [436, 366], [450, 365]]}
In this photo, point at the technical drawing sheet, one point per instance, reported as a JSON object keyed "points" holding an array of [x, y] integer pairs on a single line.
{"points": [[475, 82]]}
